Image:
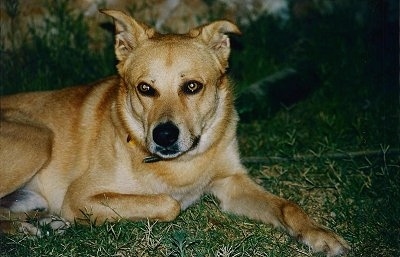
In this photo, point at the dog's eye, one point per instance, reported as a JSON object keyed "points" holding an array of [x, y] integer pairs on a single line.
{"points": [[192, 87], [146, 90]]}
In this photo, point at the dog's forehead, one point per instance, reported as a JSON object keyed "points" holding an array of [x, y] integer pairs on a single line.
{"points": [[180, 52], [173, 58]]}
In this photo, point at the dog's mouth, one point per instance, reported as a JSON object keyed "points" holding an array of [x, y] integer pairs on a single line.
{"points": [[170, 152]]}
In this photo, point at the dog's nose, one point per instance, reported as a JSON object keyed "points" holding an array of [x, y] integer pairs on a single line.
{"points": [[165, 134]]}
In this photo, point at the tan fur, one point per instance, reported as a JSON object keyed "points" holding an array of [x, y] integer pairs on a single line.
{"points": [[81, 150]]}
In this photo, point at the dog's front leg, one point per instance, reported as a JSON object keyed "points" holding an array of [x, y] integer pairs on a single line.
{"points": [[103, 207], [240, 195]]}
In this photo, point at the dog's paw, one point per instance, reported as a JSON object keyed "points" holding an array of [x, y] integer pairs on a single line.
{"points": [[321, 239], [42, 227], [27, 228], [56, 224]]}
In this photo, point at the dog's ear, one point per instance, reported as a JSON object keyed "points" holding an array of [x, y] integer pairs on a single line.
{"points": [[128, 33], [214, 35]]}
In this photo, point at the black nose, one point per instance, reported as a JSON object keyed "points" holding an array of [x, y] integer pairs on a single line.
{"points": [[165, 134]]}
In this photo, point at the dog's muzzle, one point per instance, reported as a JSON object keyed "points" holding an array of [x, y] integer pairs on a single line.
{"points": [[166, 143]]}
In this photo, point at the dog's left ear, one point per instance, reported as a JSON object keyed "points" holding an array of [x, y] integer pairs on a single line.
{"points": [[128, 33], [214, 35]]}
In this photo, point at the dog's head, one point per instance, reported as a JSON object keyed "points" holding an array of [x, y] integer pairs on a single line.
{"points": [[175, 98]]}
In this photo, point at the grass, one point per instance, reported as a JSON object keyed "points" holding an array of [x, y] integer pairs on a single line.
{"points": [[334, 150]]}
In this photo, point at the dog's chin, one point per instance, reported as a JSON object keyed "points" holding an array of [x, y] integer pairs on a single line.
{"points": [[165, 153], [159, 153]]}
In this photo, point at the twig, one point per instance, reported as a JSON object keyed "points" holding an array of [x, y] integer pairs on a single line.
{"points": [[340, 155]]}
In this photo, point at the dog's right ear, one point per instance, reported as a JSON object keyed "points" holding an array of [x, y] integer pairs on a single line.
{"points": [[128, 33]]}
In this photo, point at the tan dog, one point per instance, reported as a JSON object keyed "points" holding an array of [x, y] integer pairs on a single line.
{"points": [[144, 144]]}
